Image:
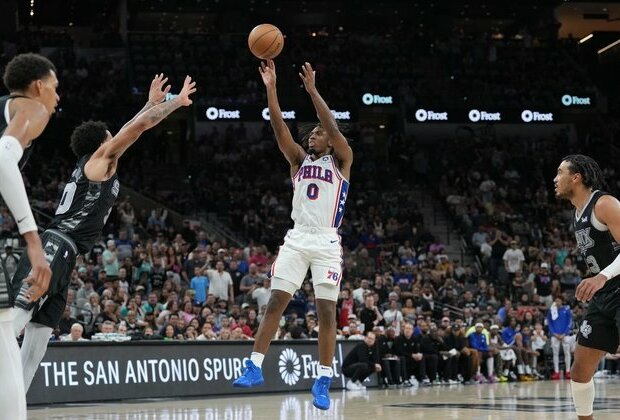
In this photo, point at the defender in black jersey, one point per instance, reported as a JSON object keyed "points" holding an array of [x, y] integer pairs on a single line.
{"points": [[32, 83], [84, 207], [596, 222]]}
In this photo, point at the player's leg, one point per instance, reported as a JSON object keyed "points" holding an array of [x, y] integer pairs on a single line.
{"points": [[566, 348], [288, 272], [555, 347], [13, 394], [38, 331], [582, 385]]}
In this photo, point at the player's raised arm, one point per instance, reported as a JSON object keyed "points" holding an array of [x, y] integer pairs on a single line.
{"points": [[342, 150], [98, 166], [293, 152], [157, 94]]}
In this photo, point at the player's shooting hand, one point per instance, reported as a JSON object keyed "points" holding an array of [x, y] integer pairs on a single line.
{"points": [[308, 77], [39, 279], [268, 73], [156, 93], [588, 287], [189, 87]]}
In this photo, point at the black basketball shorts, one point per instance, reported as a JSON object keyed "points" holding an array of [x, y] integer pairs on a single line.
{"points": [[60, 252], [600, 328]]}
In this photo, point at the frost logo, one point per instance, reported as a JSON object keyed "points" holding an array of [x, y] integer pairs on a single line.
{"points": [[475, 116], [369, 99], [286, 115], [341, 115], [529, 116], [214, 113], [568, 100], [424, 115], [289, 366]]}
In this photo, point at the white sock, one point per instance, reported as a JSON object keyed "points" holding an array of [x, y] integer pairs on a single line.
{"points": [[490, 364], [325, 371], [257, 359], [583, 397], [528, 369], [13, 395], [36, 338], [520, 369]]}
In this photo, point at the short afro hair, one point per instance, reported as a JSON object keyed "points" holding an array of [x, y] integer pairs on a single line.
{"points": [[24, 69], [87, 137]]}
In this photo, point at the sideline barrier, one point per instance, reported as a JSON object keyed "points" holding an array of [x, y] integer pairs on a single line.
{"points": [[85, 371]]}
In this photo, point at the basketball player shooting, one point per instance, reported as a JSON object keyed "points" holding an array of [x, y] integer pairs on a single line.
{"points": [[597, 230], [84, 207], [32, 83], [320, 177]]}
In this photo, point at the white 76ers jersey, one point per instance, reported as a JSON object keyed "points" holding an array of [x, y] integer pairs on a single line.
{"points": [[320, 192]]}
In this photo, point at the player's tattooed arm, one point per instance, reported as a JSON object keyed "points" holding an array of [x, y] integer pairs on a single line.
{"points": [[130, 133], [157, 94], [342, 150], [102, 163]]}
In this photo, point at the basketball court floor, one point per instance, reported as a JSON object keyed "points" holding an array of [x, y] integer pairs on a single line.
{"points": [[530, 400]]}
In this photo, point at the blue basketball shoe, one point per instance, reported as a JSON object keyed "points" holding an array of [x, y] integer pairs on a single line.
{"points": [[252, 376], [320, 392]]}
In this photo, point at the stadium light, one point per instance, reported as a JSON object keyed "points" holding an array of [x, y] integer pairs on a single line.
{"points": [[613, 44], [586, 38]]}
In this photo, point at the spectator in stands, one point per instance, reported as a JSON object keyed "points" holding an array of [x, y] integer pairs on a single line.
{"points": [[65, 323], [393, 317], [560, 323], [513, 263], [361, 362], [360, 292], [110, 259], [200, 284], [75, 334], [261, 294], [478, 341], [543, 285], [249, 283], [220, 283], [370, 315]]}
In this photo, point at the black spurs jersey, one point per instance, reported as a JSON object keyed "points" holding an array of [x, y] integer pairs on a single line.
{"points": [[84, 207], [4, 123], [597, 246]]}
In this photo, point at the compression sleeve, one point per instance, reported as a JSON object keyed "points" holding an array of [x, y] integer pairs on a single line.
{"points": [[12, 186], [613, 269]]}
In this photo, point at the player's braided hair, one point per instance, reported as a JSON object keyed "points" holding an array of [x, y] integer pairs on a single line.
{"points": [[87, 137], [591, 173]]}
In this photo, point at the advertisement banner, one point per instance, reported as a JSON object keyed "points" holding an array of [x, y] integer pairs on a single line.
{"points": [[77, 372], [238, 113], [489, 115]]}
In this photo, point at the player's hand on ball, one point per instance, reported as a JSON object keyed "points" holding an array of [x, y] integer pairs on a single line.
{"points": [[308, 77], [268, 73], [189, 87], [156, 93], [588, 287], [39, 280]]}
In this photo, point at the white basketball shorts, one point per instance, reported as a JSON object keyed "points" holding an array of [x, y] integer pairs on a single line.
{"points": [[308, 247]]}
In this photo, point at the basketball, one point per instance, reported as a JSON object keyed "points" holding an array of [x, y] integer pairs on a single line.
{"points": [[266, 41]]}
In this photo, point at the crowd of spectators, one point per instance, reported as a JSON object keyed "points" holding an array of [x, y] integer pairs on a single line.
{"points": [[425, 317]]}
